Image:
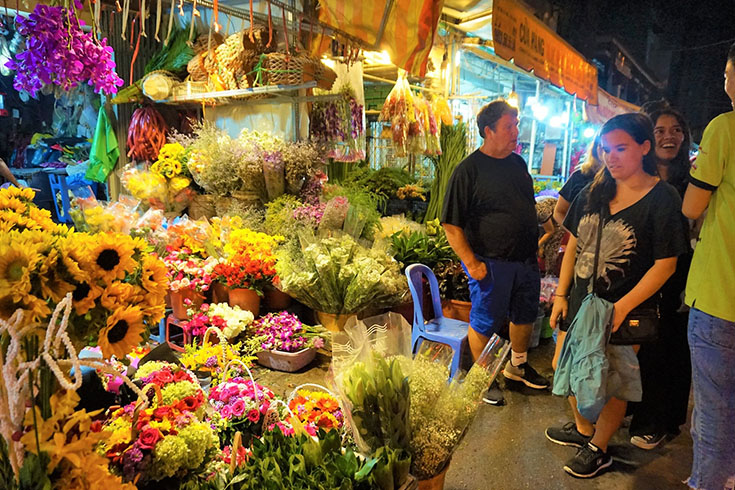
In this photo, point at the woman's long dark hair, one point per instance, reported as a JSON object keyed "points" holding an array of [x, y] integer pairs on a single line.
{"points": [[680, 165], [640, 128]]}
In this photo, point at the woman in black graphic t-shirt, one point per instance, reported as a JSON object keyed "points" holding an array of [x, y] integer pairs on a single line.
{"points": [[641, 240]]}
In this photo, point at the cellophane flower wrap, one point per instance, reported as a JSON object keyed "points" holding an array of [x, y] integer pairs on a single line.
{"points": [[117, 286], [317, 410], [284, 332], [187, 270], [241, 406], [171, 166], [338, 275], [59, 53], [166, 440]]}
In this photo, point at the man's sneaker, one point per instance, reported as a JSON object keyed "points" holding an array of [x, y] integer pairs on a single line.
{"points": [[567, 435], [493, 395], [648, 441], [588, 461], [526, 375]]}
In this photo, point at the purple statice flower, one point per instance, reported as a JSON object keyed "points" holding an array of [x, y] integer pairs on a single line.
{"points": [[211, 362]]}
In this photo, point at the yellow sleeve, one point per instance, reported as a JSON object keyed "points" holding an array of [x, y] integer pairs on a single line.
{"points": [[709, 167]]}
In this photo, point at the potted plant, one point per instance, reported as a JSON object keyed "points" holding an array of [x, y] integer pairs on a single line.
{"points": [[455, 290], [288, 345]]}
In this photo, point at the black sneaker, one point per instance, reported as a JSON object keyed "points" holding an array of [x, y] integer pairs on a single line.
{"points": [[648, 441], [588, 461], [526, 375], [493, 395], [567, 435]]}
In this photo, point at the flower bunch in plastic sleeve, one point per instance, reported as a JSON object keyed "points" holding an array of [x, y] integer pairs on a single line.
{"points": [[59, 52], [285, 332]]}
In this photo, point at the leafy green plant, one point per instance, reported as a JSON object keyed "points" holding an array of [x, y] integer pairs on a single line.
{"points": [[385, 182], [454, 150], [279, 462], [453, 281], [364, 202], [418, 247]]}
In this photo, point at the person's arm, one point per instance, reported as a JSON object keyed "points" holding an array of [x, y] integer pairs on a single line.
{"points": [[548, 232], [460, 245], [651, 282], [561, 209], [566, 277], [6, 174], [696, 201]]}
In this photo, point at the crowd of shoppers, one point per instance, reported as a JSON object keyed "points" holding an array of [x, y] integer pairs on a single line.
{"points": [[634, 212]]}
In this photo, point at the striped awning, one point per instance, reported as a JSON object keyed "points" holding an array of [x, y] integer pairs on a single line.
{"points": [[403, 28]]}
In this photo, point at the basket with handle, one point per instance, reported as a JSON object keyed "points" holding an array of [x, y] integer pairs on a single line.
{"points": [[295, 392], [285, 69], [142, 404]]}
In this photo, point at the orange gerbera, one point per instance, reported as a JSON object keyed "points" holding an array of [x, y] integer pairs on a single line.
{"points": [[122, 333]]}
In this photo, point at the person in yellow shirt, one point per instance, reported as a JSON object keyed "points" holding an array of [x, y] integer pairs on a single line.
{"points": [[709, 293]]}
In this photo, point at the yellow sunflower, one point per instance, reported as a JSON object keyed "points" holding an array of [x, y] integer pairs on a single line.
{"points": [[153, 276], [122, 333], [153, 309], [84, 295], [111, 256], [16, 265], [120, 294], [13, 204], [24, 193], [52, 284], [35, 309], [75, 255]]}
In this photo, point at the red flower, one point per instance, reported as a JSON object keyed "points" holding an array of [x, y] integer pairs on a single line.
{"points": [[164, 377], [149, 437], [96, 426], [188, 404], [181, 376], [162, 412], [253, 415]]}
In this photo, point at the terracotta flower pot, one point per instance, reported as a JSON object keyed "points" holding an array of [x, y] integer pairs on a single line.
{"points": [[459, 310], [286, 361], [274, 299], [246, 299], [334, 322], [436, 482], [179, 307], [220, 292]]}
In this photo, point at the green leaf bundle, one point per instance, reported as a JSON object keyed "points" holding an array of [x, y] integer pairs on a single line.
{"points": [[454, 150]]}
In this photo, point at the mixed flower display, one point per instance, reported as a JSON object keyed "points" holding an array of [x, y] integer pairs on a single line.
{"points": [[317, 410], [188, 270], [231, 320], [241, 406], [285, 332]]}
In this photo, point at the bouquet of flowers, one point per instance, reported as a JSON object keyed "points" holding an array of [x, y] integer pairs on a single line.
{"points": [[213, 357], [145, 185], [187, 270], [285, 332], [171, 165], [230, 319], [317, 410], [338, 275], [117, 287], [250, 262], [167, 439], [339, 125], [241, 405], [93, 216]]}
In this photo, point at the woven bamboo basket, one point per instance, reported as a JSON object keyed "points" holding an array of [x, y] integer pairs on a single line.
{"points": [[202, 44], [282, 69], [260, 38], [202, 206], [196, 69]]}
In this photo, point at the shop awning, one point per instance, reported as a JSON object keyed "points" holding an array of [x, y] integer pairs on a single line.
{"points": [[403, 28], [608, 106], [520, 36]]}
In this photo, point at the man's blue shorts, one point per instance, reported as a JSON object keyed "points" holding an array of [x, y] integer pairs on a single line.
{"points": [[510, 290]]}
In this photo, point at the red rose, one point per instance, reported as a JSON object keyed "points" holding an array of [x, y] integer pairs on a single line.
{"points": [[164, 377], [253, 415], [182, 376], [188, 404], [162, 412], [149, 437]]}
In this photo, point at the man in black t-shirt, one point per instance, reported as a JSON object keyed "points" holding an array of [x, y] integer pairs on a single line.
{"points": [[489, 216]]}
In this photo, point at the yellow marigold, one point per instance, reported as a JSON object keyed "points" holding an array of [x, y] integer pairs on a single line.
{"points": [[178, 184]]}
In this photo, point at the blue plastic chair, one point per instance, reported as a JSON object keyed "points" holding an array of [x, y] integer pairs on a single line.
{"points": [[440, 329], [58, 185]]}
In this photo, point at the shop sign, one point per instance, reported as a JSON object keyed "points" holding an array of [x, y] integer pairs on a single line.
{"points": [[608, 106], [520, 36]]}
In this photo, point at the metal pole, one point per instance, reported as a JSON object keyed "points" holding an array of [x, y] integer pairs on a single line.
{"points": [[534, 125], [567, 133]]}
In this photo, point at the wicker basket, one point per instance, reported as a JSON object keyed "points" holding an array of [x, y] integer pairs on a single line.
{"points": [[196, 69], [282, 69], [190, 87], [260, 38], [202, 44], [202, 206]]}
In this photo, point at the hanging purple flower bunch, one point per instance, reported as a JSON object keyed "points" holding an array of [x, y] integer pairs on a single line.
{"points": [[58, 52]]}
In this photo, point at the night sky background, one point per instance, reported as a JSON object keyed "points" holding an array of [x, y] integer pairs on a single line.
{"points": [[684, 42]]}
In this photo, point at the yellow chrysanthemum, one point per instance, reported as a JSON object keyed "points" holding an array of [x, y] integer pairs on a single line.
{"points": [[16, 265], [111, 257], [122, 332]]}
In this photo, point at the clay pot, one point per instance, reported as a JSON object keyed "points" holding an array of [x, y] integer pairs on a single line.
{"points": [[274, 299], [246, 299], [458, 310], [220, 292], [436, 482], [179, 307]]}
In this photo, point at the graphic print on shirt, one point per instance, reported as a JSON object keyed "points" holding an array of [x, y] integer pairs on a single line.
{"points": [[618, 243]]}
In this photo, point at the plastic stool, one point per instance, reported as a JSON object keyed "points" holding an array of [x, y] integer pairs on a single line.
{"points": [[160, 335], [171, 340]]}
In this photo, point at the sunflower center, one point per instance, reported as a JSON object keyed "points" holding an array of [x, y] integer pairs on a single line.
{"points": [[108, 259], [118, 332], [82, 291], [14, 271]]}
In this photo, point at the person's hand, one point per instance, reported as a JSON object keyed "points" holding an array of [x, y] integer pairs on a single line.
{"points": [[477, 271], [619, 314], [558, 311]]}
